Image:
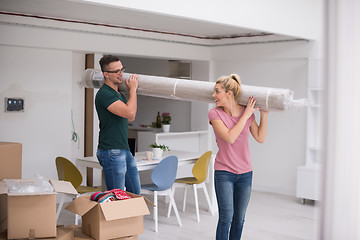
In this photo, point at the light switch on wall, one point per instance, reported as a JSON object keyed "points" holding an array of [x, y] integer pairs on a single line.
{"points": [[14, 105]]}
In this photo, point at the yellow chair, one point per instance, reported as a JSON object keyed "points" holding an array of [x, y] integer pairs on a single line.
{"points": [[67, 171], [200, 173]]}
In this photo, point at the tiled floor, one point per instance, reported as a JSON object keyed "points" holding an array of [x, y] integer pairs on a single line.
{"points": [[269, 217]]}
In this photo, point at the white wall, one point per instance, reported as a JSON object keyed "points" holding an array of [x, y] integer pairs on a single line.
{"points": [[77, 103], [45, 72], [44, 79]]}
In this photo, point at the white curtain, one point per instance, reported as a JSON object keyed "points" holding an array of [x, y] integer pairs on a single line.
{"points": [[340, 211]]}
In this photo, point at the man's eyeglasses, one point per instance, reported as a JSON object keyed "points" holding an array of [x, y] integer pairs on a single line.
{"points": [[117, 71]]}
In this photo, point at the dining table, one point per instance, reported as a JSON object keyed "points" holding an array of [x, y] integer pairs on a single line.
{"points": [[85, 164]]}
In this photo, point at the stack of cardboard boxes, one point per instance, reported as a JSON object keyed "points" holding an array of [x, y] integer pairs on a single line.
{"points": [[10, 160], [33, 215]]}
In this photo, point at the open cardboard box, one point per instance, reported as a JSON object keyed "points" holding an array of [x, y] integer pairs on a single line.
{"points": [[31, 215], [110, 220], [79, 235]]}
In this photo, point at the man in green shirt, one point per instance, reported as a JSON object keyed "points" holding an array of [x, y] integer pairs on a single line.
{"points": [[114, 112]]}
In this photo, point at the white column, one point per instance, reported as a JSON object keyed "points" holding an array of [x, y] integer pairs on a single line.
{"points": [[340, 213]]}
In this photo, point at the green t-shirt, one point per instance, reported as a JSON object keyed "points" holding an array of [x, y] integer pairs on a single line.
{"points": [[113, 129]]}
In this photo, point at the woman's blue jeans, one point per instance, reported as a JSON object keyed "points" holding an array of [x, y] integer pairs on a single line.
{"points": [[119, 169], [233, 195]]}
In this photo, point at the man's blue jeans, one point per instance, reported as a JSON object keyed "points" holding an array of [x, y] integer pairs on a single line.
{"points": [[233, 195], [119, 169]]}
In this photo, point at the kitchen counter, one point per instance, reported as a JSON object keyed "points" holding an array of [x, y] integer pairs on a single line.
{"points": [[192, 141]]}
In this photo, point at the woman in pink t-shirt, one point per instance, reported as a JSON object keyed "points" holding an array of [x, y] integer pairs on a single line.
{"points": [[232, 124]]}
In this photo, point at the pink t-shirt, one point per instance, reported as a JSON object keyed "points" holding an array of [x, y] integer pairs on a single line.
{"points": [[234, 157]]}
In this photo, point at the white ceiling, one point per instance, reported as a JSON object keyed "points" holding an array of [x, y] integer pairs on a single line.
{"points": [[116, 17]]}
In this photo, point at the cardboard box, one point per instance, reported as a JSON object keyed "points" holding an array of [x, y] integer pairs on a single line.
{"points": [[10, 160], [31, 215], [62, 233], [110, 220], [79, 235], [133, 237]]}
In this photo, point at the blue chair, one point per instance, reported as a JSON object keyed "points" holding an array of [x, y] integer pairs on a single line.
{"points": [[163, 177]]}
